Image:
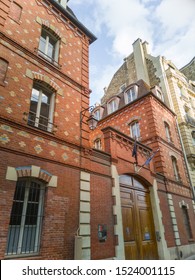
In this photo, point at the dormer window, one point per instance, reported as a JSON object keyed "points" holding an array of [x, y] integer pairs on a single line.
{"points": [[97, 114], [130, 95], [113, 105], [159, 95]]}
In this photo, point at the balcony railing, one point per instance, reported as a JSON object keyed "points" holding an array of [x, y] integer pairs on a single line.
{"points": [[40, 122], [190, 120]]}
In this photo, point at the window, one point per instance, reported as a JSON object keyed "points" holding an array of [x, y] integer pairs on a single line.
{"points": [[98, 144], [15, 11], [49, 45], [187, 222], [193, 137], [26, 218], [175, 169], [3, 70], [41, 107], [159, 95], [130, 95], [134, 130], [167, 130], [122, 88], [97, 114], [112, 106]]}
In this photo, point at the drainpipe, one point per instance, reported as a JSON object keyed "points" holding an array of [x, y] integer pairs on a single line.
{"points": [[186, 161]]}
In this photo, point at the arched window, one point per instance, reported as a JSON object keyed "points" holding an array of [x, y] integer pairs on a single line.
{"points": [[175, 168], [167, 131], [26, 217], [98, 144], [42, 107], [3, 69], [15, 11], [135, 130], [49, 45]]}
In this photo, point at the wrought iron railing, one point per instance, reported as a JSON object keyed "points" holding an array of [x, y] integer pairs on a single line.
{"points": [[48, 58], [40, 122]]}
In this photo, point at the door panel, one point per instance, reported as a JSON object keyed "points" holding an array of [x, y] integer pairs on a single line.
{"points": [[138, 225]]}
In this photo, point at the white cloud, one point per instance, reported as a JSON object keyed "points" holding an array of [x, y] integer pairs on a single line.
{"points": [[167, 25]]}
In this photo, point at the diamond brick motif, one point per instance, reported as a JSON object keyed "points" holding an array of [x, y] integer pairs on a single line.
{"points": [[38, 149], [4, 139], [22, 144]]}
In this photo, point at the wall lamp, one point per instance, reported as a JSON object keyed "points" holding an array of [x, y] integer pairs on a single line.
{"points": [[92, 121]]}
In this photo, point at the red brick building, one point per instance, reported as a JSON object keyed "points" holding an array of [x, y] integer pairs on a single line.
{"points": [[59, 198], [50, 178], [158, 214]]}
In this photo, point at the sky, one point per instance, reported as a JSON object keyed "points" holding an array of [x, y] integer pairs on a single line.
{"points": [[167, 25]]}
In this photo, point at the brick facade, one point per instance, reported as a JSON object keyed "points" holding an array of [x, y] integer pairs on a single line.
{"points": [[56, 158], [81, 184]]}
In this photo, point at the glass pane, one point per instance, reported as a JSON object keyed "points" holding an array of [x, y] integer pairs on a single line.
{"points": [[13, 239], [28, 244], [42, 44], [34, 100], [31, 213], [50, 51]]}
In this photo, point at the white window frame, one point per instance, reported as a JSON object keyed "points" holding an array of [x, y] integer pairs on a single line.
{"points": [[175, 169], [98, 144], [135, 130], [130, 95], [112, 106], [167, 130], [97, 114], [22, 225], [54, 59], [38, 109]]}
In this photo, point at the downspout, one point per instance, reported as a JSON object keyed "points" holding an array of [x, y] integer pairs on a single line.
{"points": [[186, 161]]}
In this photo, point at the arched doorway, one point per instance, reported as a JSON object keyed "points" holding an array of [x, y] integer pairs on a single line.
{"points": [[138, 224]]}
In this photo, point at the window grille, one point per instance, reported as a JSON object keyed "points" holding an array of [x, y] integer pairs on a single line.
{"points": [[26, 218]]}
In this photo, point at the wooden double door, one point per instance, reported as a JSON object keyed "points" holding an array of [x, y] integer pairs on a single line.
{"points": [[138, 224]]}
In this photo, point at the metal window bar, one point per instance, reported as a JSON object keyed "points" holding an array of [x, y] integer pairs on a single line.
{"points": [[40, 122], [26, 219]]}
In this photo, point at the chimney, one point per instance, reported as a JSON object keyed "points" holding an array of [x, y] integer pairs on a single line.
{"points": [[140, 62], [146, 47]]}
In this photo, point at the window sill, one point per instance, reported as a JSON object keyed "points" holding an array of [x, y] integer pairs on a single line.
{"points": [[48, 59], [21, 256]]}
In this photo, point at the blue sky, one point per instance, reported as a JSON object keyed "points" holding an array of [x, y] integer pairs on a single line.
{"points": [[167, 25]]}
